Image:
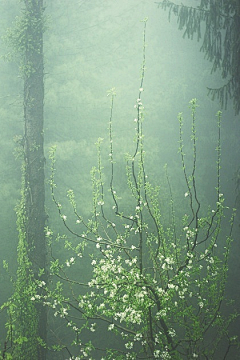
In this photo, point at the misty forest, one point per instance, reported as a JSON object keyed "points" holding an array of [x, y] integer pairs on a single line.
{"points": [[120, 179]]}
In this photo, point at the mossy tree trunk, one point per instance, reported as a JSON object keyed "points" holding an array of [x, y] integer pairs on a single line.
{"points": [[33, 150], [27, 324]]}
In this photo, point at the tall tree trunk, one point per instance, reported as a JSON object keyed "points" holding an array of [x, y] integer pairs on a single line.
{"points": [[34, 151]]}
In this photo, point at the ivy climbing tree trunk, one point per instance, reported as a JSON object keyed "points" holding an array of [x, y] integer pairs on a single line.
{"points": [[34, 192], [27, 326], [34, 152], [33, 145]]}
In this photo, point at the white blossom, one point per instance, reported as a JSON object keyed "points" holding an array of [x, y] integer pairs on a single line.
{"points": [[92, 328]]}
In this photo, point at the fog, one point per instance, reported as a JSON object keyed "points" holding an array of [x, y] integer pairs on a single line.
{"points": [[90, 47]]}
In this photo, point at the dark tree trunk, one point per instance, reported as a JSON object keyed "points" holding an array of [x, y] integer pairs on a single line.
{"points": [[34, 151]]}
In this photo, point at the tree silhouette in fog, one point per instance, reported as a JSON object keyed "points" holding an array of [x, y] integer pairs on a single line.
{"points": [[217, 24]]}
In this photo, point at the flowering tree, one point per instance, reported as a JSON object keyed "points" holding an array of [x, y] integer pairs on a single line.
{"points": [[155, 289]]}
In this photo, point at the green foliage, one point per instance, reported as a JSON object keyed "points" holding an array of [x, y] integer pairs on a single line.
{"points": [[22, 341], [26, 38]]}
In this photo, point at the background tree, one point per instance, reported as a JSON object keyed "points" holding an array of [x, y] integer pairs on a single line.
{"points": [[220, 22], [34, 160], [28, 323]]}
